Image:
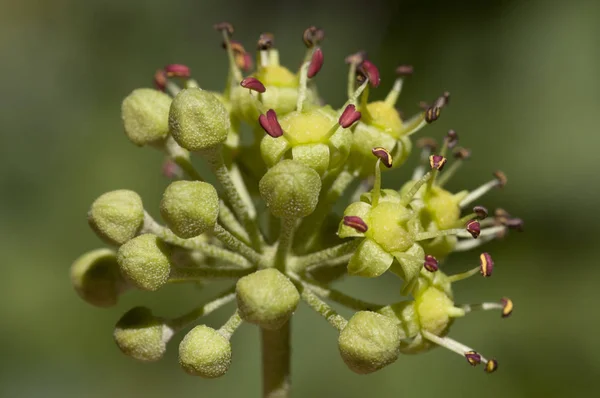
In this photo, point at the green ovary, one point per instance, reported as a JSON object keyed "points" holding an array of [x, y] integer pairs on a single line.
{"points": [[307, 127], [387, 227]]}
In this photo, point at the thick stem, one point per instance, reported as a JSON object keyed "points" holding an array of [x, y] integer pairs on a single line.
{"points": [[276, 362]]}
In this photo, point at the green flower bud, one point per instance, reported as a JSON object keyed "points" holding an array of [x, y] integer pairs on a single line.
{"points": [[141, 335], [145, 114], [205, 352], [290, 189], [96, 277], [369, 342], [266, 298], [144, 261], [190, 208], [117, 216], [198, 120]]}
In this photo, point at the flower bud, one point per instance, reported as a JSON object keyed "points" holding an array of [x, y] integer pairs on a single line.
{"points": [[290, 189], [266, 298], [144, 261], [198, 120], [96, 277], [141, 335], [369, 342], [145, 114], [117, 216], [190, 208], [205, 352]]}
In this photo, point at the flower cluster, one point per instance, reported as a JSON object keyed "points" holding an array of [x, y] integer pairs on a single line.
{"points": [[304, 158]]}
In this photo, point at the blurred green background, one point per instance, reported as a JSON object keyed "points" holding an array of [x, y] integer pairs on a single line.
{"points": [[525, 92]]}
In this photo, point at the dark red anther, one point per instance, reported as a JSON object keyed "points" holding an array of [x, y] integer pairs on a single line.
{"points": [[316, 63], [355, 223], [474, 228], [437, 162], [370, 71], [270, 124], [253, 83], [431, 263], [349, 116], [177, 70]]}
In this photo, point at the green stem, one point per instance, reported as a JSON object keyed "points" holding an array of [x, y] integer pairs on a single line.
{"points": [[219, 301], [276, 353], [198, 243], [337, 296], [311, 225], [284, 244], [326, 255], [238, 205], [228, 220], [231, 325], [322, 308], [237, 245], [195, 273]]}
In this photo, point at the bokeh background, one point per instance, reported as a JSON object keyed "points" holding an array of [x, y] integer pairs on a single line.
{"points": [[525, 96]]}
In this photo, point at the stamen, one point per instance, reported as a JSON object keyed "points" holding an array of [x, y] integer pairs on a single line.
{"points": [[431, 263], [264, 44], [481, 212], [427, 146], [470, 244], [402, 71], [461, 349], [243, 60], [460, 154], [451, 139], [353, 60], [312, 36], [225, 27], [226, 30], [406, 198], [432, 114], [498, 181], [369, 71], [473, 358], [474, 228], [253, 83], [270, 124], [376, 191], [505, 306], [437, 234], [316, 63], [356, 223], [437, 162], [177, 70], [486, 264], [160, 80], [383, 155], [349, 116], [266, 41], [491, 366]]}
